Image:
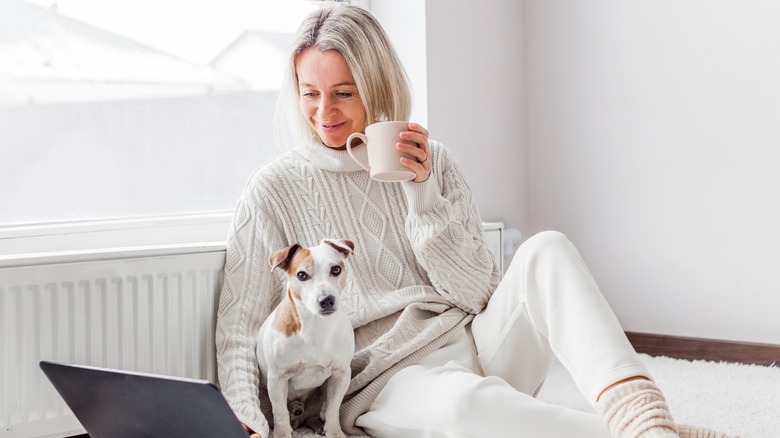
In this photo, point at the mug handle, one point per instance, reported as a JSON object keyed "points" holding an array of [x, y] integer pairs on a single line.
{"points": [[362, 137]]}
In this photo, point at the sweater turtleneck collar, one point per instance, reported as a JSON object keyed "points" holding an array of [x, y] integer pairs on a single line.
{"points": [[325, 158]]}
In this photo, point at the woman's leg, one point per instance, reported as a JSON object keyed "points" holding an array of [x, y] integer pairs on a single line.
{"points": [[451, 401], [548, 302], [548, 305]]}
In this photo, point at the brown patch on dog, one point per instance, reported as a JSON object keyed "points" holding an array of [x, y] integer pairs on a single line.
{"points": [[291, 260], [345, 247], [295, 291], [302, 259], [286, 319], [283, 257]]}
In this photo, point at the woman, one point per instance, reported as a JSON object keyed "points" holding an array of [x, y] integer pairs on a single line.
{"points": [[442, 349]]}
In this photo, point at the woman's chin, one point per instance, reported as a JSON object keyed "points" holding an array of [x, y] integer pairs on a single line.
{"points": [[334, 143]]}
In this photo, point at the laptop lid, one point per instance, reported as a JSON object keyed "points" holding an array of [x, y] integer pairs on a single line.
{"points": [[121, 404]]}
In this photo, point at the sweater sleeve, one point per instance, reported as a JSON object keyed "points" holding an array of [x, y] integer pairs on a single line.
{"points": [[246, 300], [445, 230]]}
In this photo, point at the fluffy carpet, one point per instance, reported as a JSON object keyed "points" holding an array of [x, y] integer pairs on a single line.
{"points": [[741, 400]]}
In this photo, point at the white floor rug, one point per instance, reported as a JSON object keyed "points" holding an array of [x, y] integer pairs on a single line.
{"points": [[741, 400]]}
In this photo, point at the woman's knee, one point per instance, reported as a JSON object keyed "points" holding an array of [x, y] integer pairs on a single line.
{"points": [[546, 240], [546, 245]]}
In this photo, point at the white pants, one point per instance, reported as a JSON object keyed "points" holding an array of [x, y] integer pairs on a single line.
{"points": [[547, 306]]}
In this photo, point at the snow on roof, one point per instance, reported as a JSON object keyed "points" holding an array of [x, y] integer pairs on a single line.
{"points": [[45, 54], [257, 57]]}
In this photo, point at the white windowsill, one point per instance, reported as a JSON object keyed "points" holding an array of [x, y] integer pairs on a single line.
{"points": [[36, 244]]}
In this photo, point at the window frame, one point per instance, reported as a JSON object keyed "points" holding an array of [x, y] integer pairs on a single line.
{"points": [[29, 244]]}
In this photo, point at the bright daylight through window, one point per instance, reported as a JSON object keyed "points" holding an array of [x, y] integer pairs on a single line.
{"points": [[113, 109]]}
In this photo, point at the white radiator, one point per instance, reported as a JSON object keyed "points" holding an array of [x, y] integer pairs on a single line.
{"points": [[149, 311]]}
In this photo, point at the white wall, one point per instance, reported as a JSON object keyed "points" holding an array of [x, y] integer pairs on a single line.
{"points": [[404, 22], [648, 132], [476, 98], [654, 144]]}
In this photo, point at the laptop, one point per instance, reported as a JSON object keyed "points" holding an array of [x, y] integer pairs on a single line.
{"points": [[120, 404]]}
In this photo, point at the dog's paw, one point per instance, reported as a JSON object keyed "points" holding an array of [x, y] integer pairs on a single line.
{"points": [[335, 434], [334, 431], [282, 432], [296, 409]]}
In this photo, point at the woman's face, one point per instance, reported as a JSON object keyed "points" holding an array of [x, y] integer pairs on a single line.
{"points": [[328, 96]]}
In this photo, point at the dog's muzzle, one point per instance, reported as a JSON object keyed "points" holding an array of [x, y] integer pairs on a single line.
{"points": [[327, 305]]}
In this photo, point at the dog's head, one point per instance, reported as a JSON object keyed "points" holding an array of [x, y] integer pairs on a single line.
{"points": [[316, 275]]}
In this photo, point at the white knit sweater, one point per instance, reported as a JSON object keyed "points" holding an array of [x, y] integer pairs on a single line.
{"points": [[420, 269]]}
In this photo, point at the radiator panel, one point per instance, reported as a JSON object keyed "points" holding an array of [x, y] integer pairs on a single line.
{"points": [[148, 314]]}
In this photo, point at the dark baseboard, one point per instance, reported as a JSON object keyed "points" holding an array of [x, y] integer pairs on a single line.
{"points": [[705, 349]]}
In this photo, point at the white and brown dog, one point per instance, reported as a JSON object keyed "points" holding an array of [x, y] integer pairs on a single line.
{"points": [[308, 338]]}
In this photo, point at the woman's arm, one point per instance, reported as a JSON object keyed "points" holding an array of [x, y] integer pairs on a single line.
{"points": [[247, 295], [445, 230]]}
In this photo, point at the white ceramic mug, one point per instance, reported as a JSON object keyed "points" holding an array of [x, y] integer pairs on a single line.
{"points": [[384, 160]]}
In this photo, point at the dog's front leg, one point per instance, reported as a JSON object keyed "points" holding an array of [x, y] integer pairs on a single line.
{"points": [[337, 387], [277, 392]]}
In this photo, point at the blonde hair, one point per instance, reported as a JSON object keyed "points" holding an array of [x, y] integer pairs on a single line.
{"points": [[379, 76]]}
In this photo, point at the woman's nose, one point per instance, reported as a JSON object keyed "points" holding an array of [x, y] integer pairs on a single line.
{"points": [[326, 107]]}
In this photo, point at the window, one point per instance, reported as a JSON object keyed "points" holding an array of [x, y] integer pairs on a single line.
{"points": [[116, 110], [133, 123]]}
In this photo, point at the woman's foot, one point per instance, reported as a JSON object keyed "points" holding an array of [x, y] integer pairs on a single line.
{"points": [[636, 408]]}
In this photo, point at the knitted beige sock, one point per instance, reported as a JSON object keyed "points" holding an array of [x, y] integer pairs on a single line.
{"points": [[636, 409], [687, 431]]}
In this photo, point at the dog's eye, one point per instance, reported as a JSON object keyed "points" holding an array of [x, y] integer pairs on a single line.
{"points": [[302, 276], [335, 271]]}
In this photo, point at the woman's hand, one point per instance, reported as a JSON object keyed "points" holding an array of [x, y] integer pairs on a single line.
{"points": [[414, 142], [252, 433]]}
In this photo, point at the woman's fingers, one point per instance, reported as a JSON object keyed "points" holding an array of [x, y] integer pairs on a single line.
{"points": [[252, 434], [415, 143]]}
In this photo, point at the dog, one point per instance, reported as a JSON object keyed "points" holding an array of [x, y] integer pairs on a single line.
{"points": [[308, 339]]}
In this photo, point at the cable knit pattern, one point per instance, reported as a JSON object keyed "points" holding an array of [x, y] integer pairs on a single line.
{"points": [[637, 409], [420, 269], [687, 431]]}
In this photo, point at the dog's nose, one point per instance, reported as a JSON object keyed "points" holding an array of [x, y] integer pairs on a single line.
{"points": [[327, 303]]}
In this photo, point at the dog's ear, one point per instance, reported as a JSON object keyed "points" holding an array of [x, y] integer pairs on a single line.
{"points": [[345, 247], [282, 257]]}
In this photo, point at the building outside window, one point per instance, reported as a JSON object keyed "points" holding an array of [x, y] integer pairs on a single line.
{"points": [[115, 110]]}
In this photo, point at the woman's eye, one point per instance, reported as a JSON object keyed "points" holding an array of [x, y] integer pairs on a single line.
{"points": [[335, 271], [302, 276], [344, 94]]}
